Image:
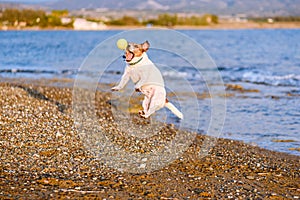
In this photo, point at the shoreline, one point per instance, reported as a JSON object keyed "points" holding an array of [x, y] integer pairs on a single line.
{"points": [[232, 90], [43, 157], [219, 26]]}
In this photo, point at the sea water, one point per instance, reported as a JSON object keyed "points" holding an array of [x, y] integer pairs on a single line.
{"points": [[266, 63]]}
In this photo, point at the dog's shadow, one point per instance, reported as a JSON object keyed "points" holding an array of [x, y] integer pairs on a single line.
{"points": [[38, 95], [132, 123]]}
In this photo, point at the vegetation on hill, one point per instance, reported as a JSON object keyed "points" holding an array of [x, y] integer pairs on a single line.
{"points": [[125, 21], [174, 20], [277, 19], [40, 18], [29, 17], [166, 19]]}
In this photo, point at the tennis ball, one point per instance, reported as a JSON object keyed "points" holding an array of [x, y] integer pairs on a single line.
{"points": [[122, 44]]}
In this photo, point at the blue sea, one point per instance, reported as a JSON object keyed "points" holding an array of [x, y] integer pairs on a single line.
{"points": [[264, 62]]}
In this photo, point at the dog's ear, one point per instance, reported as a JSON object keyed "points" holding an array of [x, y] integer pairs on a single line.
{"points": [[145, 46]]}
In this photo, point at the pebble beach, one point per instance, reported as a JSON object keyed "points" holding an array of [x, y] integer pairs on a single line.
{"points": [[42, 157]]}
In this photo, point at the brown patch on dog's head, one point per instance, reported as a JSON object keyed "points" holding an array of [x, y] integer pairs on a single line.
{"points": [[135, 50]]}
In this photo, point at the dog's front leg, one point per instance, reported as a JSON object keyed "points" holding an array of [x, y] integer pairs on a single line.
{"points": [[139, 84], [125, 78]]}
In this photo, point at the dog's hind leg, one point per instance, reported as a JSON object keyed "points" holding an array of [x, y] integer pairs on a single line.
{"points": [[156, 102], [148, 92], [145, 104], [152, 110]]}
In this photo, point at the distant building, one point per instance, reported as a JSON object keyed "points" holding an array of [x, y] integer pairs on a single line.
{"points": [[240, 18], [19, 25], [22, 24], [83, 24], [208, 19], [66, 20], [4, 28], [270, 20]]}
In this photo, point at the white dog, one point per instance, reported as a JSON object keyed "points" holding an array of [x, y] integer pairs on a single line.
{"points": [[147, 79]]}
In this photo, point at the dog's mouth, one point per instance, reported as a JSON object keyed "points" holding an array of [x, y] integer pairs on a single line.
{"points": [[128, 56]]}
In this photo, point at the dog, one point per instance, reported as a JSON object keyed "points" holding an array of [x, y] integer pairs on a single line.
{"points": [[147, 79]]}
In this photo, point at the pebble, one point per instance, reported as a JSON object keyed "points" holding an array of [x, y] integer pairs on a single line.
{"points": [[58, 134], [142, 166], [42, 153], [250, 177], [144, 159]]}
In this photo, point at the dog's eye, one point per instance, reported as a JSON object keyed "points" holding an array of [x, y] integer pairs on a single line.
{"points": [[131, 48]]}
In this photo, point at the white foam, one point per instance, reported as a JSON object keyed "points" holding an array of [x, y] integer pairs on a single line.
{"points": [[284, 80]]}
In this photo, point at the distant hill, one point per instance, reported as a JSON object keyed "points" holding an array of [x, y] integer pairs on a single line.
{"points": [[20, 5], [225, 7], [218, 7]]}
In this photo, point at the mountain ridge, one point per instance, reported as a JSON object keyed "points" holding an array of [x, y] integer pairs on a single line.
{"points": [[225, 7], [218, 7]]}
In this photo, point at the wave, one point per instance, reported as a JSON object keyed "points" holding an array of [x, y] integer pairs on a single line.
{"points": [[274, 80], [191, 74], [37, 71]]}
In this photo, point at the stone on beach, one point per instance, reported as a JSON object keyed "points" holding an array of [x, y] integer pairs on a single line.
{"points": [[43, 157]]}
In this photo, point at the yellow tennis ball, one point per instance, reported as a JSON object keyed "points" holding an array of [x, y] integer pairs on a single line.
{"points": [[122, 44]]}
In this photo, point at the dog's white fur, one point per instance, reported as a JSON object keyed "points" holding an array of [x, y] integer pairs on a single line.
{"points": [[149, 81]]}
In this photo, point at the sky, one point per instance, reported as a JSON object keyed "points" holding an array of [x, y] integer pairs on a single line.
{"points": [[26, 1]]}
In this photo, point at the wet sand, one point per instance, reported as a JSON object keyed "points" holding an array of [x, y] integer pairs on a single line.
{"points": [[42, 157]]}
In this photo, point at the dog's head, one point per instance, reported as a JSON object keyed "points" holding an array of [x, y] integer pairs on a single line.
{"points": [[134, 50]]}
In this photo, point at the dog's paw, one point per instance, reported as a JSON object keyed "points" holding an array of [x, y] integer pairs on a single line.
{"points": [[115, 89], [142, 114]]}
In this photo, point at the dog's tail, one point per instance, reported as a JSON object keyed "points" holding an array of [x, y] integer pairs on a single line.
{"points": [[174, 110]]}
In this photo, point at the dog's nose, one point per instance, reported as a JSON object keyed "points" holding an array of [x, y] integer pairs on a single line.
{"points": [[124, 56]]}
